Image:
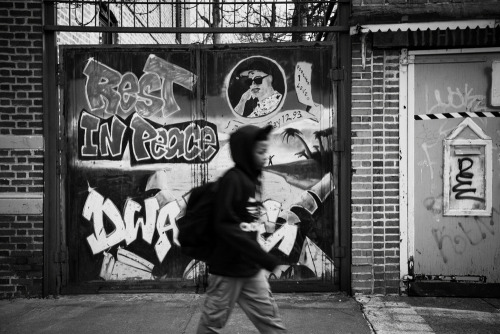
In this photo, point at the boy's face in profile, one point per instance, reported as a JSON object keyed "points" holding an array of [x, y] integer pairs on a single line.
{"points": [[260, 153]]}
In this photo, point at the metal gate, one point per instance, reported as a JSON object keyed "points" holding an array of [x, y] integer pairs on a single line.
{"points": [[139, 126]]}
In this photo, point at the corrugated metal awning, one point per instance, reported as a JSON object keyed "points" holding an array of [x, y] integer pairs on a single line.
{"points": [[441, 25]]}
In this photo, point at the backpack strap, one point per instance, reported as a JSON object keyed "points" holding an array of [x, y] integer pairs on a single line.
{"points": [[258, 193]]}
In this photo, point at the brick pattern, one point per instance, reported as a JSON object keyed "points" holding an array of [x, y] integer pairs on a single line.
{"points": [[375, 170], [21, 170], [21, 68], [21, 256]]}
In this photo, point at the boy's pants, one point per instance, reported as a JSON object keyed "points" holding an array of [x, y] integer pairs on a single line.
{"points": [[254, 296]]}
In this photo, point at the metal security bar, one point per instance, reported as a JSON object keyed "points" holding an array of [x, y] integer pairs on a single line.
{"points": [[272, 21]]}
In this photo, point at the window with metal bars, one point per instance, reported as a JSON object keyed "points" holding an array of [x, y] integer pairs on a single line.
{"points": [[107, 19], [203, 21]]}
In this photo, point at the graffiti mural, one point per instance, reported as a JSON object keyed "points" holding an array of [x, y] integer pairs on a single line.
{"points": [[144, 127]]}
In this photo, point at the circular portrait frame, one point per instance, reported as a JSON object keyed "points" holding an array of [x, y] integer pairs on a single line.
{"points": [[238, 90]]}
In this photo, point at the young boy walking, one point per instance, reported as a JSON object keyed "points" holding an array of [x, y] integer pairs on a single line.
{"points": [[236, 265]]}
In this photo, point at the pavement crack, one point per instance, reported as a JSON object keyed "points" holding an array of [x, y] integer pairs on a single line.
{"points": [[491, 304], [192, 311], [362, 308]]}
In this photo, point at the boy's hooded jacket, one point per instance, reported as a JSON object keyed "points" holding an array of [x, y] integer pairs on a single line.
{"points": [[237, 252]]}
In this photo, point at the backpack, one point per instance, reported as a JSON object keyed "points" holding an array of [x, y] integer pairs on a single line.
{"points": [[196, 230]]}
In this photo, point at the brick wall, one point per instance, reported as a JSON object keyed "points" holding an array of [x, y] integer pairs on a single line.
{"points": [[21, 149], [388, 11], [375, 170]]}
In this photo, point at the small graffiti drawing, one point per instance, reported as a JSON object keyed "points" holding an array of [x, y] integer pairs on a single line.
{"points": [[271, 160], [430, 163], [464, 164], [472, 236], [434, 205], [457, 242], [459, 100]]}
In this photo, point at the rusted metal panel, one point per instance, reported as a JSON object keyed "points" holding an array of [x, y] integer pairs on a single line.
{"points": [[145, 125], [427, 35], [455, 171], [412, 11], [495, 84]]}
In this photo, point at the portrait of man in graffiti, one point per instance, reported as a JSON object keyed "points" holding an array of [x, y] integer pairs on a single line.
{"points": [[260, 85]]}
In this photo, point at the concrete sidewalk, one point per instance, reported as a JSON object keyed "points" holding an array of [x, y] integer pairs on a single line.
{"points": [[314, 313], [397, 314], [171, 314]]}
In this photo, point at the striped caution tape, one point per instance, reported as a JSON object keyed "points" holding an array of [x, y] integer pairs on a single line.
{"points": [[458, 115]]}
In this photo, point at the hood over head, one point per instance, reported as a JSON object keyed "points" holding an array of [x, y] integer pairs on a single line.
{"points": [[242, 142]]}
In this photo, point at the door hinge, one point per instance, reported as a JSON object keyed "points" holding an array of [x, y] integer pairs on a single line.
{"points": [[338, 146], [340, 252], [337, 74], [60, 75], [61, 257]]}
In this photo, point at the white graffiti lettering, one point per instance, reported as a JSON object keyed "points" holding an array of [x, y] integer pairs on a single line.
{"points": [[286, 234], [459, 100], [131, 227], [94, 209], [183, 142], [190, 143], [165, 223], [106, 89], [126, 228]]}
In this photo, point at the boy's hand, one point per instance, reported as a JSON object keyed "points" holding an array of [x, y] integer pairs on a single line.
{"points": [[254, 212], [255, 209]]}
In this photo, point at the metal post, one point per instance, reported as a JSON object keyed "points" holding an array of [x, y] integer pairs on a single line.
{"points": [[50, 131], [344, 107]]}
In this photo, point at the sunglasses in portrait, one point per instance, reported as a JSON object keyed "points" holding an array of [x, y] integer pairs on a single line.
{"points": [[257, 80]]}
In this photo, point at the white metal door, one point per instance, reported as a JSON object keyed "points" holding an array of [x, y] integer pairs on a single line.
{"points": [[451, 167]]}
